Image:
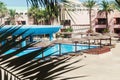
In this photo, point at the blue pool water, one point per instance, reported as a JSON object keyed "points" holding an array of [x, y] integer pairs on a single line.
{"points": [[65, 48]]}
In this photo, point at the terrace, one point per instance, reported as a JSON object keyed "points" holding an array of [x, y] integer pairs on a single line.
{"points": [[69, 55]]}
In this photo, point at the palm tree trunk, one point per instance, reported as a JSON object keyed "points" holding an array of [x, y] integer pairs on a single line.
{"points": [[12, 21], [35, 20], [60, 15], [90, 20], [107, 27], [63, 14]]}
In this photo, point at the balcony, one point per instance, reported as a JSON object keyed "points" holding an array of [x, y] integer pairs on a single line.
{"points": [[100, 26]]}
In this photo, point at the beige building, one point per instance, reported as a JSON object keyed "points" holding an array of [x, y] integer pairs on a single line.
{"points": [[76, 16], [21, 17], [113, 22]]}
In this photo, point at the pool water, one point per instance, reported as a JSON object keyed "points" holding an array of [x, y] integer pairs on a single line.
{"points": [[65, 48]]}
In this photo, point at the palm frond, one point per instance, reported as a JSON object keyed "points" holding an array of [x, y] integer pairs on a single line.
{"points": [[29, 66], [89, 4], [118, 1], [117, 4]]}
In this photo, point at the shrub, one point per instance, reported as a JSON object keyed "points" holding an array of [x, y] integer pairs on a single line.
{"points": [[69, 29]]}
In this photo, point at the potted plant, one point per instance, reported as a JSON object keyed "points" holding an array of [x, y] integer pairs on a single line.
{"points": [[63, 30], [69, 29], [105, 30], [89, 31]]}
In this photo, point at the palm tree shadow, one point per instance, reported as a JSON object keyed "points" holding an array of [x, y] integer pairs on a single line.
{"points": [[75, 77], [51, 71], [27, 67]]}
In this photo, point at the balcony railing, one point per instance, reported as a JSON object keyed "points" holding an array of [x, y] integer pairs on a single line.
{"points": [[80, 28]]}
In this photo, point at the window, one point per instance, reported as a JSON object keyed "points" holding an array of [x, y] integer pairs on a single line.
{"points": [[117, 30], [100, 30], [23, 22], [16, 13], [117, 21], [26, 13], [66, 22], [21, 13], [102, 21], [7, 22]]}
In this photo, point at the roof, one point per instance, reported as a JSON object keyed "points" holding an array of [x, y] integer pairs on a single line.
{"points": [[34, 29]]}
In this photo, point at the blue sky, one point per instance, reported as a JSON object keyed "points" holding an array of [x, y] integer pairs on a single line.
{"points": [[22, 3], [12, 3]]}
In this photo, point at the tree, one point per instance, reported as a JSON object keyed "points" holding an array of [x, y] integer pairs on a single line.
{"points": [[41, 17], [90, 4], [3, 11], [34, 13], [12, 14], [52, 8], [45, 15], [106, 7]]}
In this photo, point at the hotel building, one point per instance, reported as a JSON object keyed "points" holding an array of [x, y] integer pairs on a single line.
{"points": [[76, 16]]}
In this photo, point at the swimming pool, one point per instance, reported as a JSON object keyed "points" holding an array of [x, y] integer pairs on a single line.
{"points": [[55, 50]]}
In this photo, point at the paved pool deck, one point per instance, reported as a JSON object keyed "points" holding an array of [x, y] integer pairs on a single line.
{"points": [[95, 67]]}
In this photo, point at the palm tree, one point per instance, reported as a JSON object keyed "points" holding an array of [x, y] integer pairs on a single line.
{"points": [[90, 4], [12, 14], [3, 11], [51, 7], [41, 17], [38, 15], [34, 13], [106, 7], [46, 15]]}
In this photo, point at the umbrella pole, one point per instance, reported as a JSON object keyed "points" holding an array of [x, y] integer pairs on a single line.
{"points": [[89, 43], [94, 41], [100, 43], [110, 41]]}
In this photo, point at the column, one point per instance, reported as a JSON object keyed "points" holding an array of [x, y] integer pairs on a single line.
{"points": [[51, 37], [24, 42], [31, 38], [3, 43], [60, 53]]}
